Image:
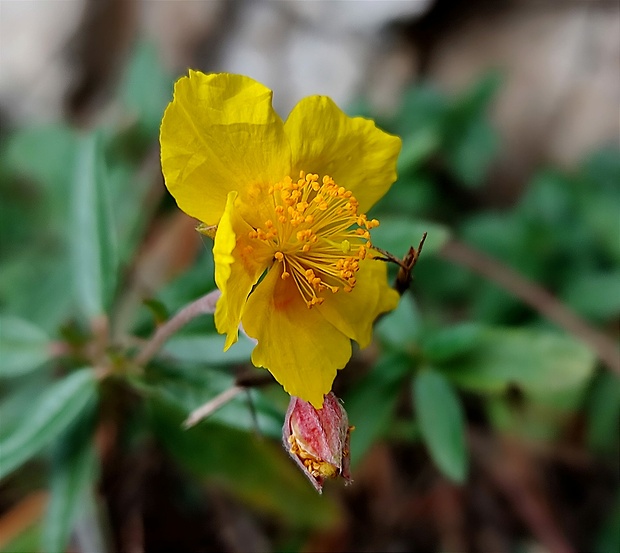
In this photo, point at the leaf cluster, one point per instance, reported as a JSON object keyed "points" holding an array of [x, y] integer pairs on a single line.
{"points": [[77, 219]]}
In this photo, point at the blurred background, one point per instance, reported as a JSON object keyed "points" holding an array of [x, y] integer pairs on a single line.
{"points": [[487, 411]]}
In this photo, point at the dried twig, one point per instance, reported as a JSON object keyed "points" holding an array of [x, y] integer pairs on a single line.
{"points": [[537, 298], [403, 279]]}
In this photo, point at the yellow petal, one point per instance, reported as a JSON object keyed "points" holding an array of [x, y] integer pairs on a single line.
{"points": [[353, 151], [220, 133], [354, 313], [299, 347], [238, 265]]}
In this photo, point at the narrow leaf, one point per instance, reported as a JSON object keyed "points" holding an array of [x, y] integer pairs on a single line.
{"points": [[451, 342], [209, 349], [538, 361], [73, 475], [370, 404], [91, 233], [400, 328], [442, 425], [23, 346], [57, 408]]}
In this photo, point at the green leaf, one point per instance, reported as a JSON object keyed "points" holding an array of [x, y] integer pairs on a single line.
{"points": [[413, 195], [92, 236], [417, 147], [43, 153], [399, 329], [24, 347], [397, 234], [536, 417], [255, 469], [27, 540], [451, 342], [370, 403], [189, 388], [23, 290], [74, 471], [470, 142], [474, 102], [538, 361], [423, 109], [146, 87], [470, 157], [595, 295], [608, 538], [209, 349], [603, 408], [442, 424], [158, 310], [44, 421], [16, 393]]}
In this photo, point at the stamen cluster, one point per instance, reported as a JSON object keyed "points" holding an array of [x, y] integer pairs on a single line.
{"points": [[316, 233]]}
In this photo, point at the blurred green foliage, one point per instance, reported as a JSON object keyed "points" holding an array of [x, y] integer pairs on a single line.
{"points": [[75, 212]]}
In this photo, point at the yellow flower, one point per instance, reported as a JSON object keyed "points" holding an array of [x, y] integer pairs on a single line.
{"points": [[292, 250]]}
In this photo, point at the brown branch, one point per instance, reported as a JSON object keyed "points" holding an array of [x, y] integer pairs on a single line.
{"points": [[212, 406], [202, 306], [537, 298]]}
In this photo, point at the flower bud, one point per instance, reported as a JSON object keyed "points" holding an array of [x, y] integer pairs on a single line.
{"points": [[318, 439]]}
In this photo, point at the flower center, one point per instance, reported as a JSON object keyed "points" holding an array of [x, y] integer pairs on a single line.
{"points": [[316, 234]]}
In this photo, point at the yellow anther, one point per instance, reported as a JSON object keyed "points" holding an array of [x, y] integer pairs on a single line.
{"points": [[316, 222]]}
